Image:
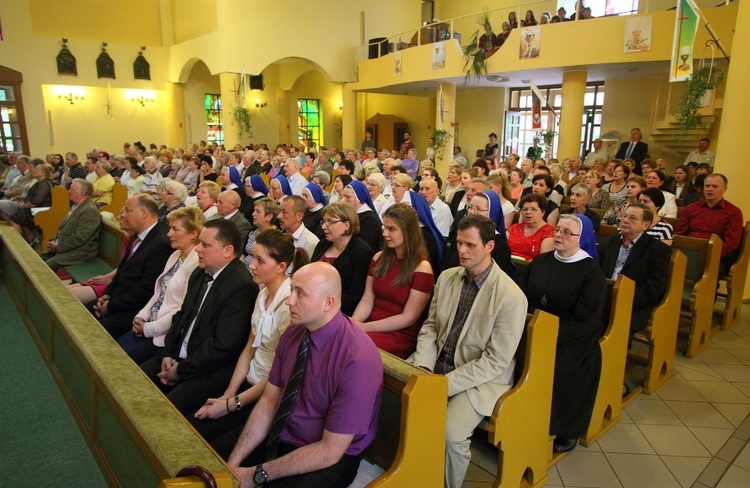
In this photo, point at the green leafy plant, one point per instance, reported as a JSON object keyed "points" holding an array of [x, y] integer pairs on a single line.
{"points": [[242, 116], [548, 137], [439, 138], [688, 115], [476, 65]]}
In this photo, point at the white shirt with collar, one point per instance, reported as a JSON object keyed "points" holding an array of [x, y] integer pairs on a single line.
{"points": [[298, 183], [305, 239], [441, 214], [227, 217], [696, 157], [142, 235], [183, 348]]}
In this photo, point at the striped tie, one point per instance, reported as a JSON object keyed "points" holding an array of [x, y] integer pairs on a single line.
{"points": [[287, 402]]}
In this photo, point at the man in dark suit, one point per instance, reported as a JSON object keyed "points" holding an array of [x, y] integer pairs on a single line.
{"points": [[634, 149], [142, 262], [228, 205], [77, 239], [641, 258], [211, 329]]}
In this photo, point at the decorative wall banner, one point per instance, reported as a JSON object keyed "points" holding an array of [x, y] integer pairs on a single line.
{"points": [[531, 38], [685, 28], [141, 68], [638, 34], [536, 111], [397, 63], [66, 62], [105, 66], [438, 55]]}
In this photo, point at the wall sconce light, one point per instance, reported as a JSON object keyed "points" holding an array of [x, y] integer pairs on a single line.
{"points": [[142, 97], [341, 105], [70, 94], [259, 104]]}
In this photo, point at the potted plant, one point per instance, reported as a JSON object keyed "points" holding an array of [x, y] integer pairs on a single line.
{"points": [[439, 138], [548, 136], [474, 52], [242, 116], [698, 94]]}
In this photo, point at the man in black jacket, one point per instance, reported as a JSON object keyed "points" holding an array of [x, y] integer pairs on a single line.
{"points": [[142, 262], [641, 258], [209, 332]]}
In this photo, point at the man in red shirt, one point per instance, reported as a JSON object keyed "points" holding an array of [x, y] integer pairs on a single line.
{"points": [[714, 215]]}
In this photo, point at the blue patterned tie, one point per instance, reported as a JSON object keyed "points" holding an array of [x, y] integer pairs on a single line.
{"points": [[290, 395], [631, 147]]}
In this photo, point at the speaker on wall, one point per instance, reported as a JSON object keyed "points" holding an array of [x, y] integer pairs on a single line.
{"points": [[256, 82]]}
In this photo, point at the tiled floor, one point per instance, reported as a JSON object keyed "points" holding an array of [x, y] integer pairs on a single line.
{"points": [[693, 432]]}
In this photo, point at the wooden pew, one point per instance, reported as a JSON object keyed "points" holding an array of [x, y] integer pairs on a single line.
{"points": [[133, 432], [701, 276], [519, 425], [614, 345], [410, 443], [111, 239], [661, 333], [735, 282], [137, 436], [49, 220], [119, 197]]}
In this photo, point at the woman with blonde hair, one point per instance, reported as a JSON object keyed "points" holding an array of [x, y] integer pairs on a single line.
{"points": [[152, 323], [599, 199], [400, 186]]}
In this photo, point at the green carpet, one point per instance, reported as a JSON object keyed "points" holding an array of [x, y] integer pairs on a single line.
{"points": [[40, 443]]}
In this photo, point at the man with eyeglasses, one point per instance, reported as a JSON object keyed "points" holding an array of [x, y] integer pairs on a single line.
{"points": [[641, 258]]}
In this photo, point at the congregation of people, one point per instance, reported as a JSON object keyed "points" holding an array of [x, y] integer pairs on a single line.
{"points": [[256, 286]]}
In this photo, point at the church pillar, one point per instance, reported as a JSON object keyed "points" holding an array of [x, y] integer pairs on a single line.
{"points": [[176, 115], [571, 116], [348, 117], [445, 118], [735, 124], [229, 84]]}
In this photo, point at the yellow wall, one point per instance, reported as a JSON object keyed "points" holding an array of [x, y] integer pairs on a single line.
{"points": [[81, 126], [419, 112], [192, 18], [131, 22], [292, 28], [479, 112]]}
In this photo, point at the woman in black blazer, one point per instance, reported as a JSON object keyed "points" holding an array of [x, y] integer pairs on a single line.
{"points": [[345, 251]]}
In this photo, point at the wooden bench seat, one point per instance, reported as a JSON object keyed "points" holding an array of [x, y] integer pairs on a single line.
{"points": [[111, 239], [614, 346], [119, 197], [519, 425], [735, 284], [136, 435], [699, 292], [661, 333], [49, 220]]}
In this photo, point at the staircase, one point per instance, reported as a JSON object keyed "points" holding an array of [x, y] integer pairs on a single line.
{"points": [[665, 132]]}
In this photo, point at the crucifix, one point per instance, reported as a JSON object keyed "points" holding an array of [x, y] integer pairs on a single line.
{"points": [[441, 110], [680, 55], [109, 101]]}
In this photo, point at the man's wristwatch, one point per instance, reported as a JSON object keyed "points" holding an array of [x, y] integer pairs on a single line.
{"points": [[260, 478], [237, 403]]}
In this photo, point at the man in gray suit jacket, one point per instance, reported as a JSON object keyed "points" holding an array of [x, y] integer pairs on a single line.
{"points": [[471, 337], [77, 239], [228, 205]]}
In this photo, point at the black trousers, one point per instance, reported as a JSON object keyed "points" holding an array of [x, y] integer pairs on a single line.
{"points": [[341, 474], [191, 393]]}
